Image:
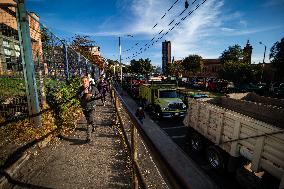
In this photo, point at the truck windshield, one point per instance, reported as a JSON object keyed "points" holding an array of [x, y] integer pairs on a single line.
{"points": [[168, 94]]}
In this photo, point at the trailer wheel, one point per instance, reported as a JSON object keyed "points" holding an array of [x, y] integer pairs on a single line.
{"points": [[215, 158], [196, 142], [248, 180]]}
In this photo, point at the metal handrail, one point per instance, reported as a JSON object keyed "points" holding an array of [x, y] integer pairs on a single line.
{"points": [[178, 170]]}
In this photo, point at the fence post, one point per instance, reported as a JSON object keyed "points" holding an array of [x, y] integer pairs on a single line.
{"points": [[27, 61], [66, 62], [79, 65], [86, 65], [134, 136], [41, 80]]}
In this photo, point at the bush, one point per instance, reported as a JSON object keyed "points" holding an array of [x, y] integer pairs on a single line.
{"points": [[61, 99], [60, 113]]}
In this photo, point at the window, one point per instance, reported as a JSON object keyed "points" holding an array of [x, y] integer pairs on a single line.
{"points": [[7, 52], [17, 47], [6, 44], [9, 63], [17, 54], [168, 94]]}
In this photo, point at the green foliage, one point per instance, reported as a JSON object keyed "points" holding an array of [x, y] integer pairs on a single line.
{"points": [[232, 54], [60, 113], [61, 99], [241, 72], [277, 56], [12, 87], [192, 63], [141, 66], [235, 69], [175, 69]]}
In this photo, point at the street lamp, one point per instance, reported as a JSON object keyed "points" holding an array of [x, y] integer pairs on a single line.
{"points": [[119, 44], [264, 51], [263, 62]]}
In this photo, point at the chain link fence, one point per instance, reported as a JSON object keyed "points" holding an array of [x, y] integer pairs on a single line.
{"points": [[52, 58]]}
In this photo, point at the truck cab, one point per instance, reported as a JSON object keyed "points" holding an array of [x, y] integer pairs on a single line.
{"points": [[163, 100]]}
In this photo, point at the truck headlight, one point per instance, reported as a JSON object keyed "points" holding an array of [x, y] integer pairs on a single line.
{"points": [[183, 106], [166, 108]]}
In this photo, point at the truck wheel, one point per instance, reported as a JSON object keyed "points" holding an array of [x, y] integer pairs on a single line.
{"points": [[215, 158], [248, 180], [196, 142]]}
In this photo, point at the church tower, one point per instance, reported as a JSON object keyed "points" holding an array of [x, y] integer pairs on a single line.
{"points": [[247, 53]]}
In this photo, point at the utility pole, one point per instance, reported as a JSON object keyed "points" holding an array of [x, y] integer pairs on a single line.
{"points": [[263, 62], [66, 61], [28, 63], [119, 44]]}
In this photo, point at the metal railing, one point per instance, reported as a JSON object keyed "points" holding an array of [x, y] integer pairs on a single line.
{"points": [[157, 161]]}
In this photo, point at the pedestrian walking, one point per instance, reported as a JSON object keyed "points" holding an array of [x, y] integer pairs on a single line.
{"points": [[140, 114], [103, 89], [87, 94], [91, 80]]}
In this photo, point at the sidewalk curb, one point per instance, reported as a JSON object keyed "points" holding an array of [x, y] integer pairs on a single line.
{"points": [[26, 155]]}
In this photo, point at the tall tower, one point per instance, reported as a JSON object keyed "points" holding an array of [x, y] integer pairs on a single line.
{"points": [[247, 53], [166, 55]]}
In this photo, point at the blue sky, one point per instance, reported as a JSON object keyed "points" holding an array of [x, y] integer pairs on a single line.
{"points": [[208, 31]]}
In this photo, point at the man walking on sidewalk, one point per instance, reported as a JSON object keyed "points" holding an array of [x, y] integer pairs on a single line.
{"points": [[87, 94]]}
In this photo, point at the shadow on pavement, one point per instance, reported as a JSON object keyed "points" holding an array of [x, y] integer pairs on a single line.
{"points": [[105, 123], [18, 153], [107, 135], [80, 129], [21, 184], [73, 141]]}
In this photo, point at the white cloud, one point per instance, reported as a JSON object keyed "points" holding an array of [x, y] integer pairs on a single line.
{"points": [[228, 29], [187, 36], [196, 29], [243, 23], [239, 32], [199, 34]]}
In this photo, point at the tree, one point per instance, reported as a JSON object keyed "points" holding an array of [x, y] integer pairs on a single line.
{"points": [[277, 56], [232, 54], [236, 69], [141, 66], [192, 63], [240, 72], [82, 44], [175, 69], [109, 70]]}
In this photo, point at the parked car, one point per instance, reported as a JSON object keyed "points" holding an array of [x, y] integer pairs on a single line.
{"points": [[249, 87], [279, 91], [199, 94]]}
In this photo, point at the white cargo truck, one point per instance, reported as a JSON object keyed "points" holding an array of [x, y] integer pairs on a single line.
{"points": [[247, 126]]}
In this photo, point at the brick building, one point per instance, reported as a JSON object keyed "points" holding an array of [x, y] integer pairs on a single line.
{"points": [[166, 55], [10, 59]]}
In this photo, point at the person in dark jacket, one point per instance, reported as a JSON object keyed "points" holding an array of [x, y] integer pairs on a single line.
{"points": [[87, 94], [103, 88], [140, 114]]}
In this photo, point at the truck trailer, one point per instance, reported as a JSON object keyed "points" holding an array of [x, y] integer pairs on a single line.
{"points": [[247, 126]]}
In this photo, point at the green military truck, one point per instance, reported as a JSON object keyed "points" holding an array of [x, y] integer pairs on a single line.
{"points": [[162, 100]]}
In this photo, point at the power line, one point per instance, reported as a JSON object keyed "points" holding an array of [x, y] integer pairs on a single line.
{"points": [[170, 29], [149, 44], [160, 19]]}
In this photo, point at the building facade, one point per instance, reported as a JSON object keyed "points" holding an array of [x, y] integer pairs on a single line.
{"points": [[166, 55], [10, 56]]}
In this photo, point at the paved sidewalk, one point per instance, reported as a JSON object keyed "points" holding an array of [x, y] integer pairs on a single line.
{"points": [[71, 163]]}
